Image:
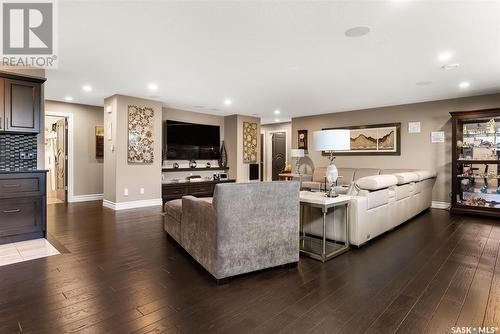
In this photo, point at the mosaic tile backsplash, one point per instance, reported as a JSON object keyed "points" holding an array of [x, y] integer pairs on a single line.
{"points": [[11, 147]]}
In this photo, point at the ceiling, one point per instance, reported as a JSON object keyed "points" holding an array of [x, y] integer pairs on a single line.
{"points": [[291, 56]]}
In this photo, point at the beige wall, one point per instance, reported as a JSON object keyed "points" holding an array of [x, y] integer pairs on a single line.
{"points": [[417, 151], [130, 176], [268, 130], [231, 143], [87, 169], [233, 139]]}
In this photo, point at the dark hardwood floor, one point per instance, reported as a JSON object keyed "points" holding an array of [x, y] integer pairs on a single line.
{"points": [[122, 275]]}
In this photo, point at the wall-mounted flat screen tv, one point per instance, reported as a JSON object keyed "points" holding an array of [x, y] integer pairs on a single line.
{"points": [[186, 141]]}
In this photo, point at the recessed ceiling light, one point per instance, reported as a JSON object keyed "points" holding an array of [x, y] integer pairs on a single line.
{"points": [[68, 98], [87, 88], [450, 66], [277, 120], [227, 102], [464, 84], [277, 112], [152, 86], [357, 31], [445, 56]]}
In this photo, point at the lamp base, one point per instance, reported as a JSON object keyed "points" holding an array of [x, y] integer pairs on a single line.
{"points": [[332, 175]]}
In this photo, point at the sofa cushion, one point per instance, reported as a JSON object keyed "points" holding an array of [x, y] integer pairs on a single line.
{"points": [[402, 191], [395, 171], [362, 172], [347, 176], [377, 198], [377, 182], [319, 174], [404, 178], [313, 185], [174, 209], [425, 174]]}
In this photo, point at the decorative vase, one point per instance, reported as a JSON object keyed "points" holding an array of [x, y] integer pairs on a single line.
{"points": [[223, 156]]}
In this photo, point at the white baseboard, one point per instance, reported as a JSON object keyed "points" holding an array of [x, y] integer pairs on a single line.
{"points": [[132, 204], [440, 205], [86, 198]]}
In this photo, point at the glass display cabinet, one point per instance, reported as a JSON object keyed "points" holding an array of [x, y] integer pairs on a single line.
{"points": [[476, 162]]}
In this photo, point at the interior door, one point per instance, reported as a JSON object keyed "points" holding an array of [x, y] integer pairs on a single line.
{"points": [[278, 154], [61, 159]]}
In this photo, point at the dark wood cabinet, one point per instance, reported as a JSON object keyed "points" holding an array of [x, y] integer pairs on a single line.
{"points": [[476, 162], [175, 190], [22, 206], [21, 103]]}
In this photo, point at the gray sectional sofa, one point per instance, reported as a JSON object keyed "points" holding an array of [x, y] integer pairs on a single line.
{"points": [[244, 228]]}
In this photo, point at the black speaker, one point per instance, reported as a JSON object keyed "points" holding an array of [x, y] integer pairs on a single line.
{"points": [[253, 172]]}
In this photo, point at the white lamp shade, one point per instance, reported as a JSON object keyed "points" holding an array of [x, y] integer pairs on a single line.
{"points": [[297, 153], [332, 140]]}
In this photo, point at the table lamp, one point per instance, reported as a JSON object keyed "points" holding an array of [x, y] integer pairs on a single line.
{"points": [[331, 141], [297, 153]]}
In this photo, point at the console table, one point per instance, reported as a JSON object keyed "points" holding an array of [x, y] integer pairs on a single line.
{"points": [[320, 248], [175, 190]]}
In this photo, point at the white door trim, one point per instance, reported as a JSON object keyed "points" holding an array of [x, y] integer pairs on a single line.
{"points": [[69, 117]]}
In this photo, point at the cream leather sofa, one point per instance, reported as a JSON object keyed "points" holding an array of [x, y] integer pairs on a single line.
{"points": [[380, 201]]}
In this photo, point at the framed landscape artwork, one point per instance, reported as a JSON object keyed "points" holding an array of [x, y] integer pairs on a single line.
{"points": [[140, 135], [376, 139]]}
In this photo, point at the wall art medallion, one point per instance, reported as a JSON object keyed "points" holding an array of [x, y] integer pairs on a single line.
{"points": [[249, 142], [140, 135], [376, 139]]}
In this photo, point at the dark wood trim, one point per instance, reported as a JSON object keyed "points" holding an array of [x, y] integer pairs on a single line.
{"points": [[475, 114], [371, 126], [478, 162], [187, 169], [23, 77], [176, 190]]}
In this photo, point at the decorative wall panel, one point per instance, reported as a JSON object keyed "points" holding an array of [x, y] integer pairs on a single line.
{"points": [[140, 135]]}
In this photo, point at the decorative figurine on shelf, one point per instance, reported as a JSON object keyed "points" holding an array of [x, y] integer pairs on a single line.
{"points": [[498, 190], [192, 163], [223, 156], [208, 165], [176, 165], [484, 189]]}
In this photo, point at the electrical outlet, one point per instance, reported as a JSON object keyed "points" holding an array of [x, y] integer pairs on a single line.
{"points": [[125, 192], [142, 191], [26, 156]]}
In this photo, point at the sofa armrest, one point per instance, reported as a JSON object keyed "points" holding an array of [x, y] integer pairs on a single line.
{"points": [[199, 231]]}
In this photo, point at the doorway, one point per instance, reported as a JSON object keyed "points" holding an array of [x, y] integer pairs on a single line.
{"points": [[56, 158], [278, 155]]}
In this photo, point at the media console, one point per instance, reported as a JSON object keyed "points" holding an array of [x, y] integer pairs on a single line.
{"points": [[175, 190]]}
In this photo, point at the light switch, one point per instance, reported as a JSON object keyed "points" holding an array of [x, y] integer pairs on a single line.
{"points": [[125, 192]]}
